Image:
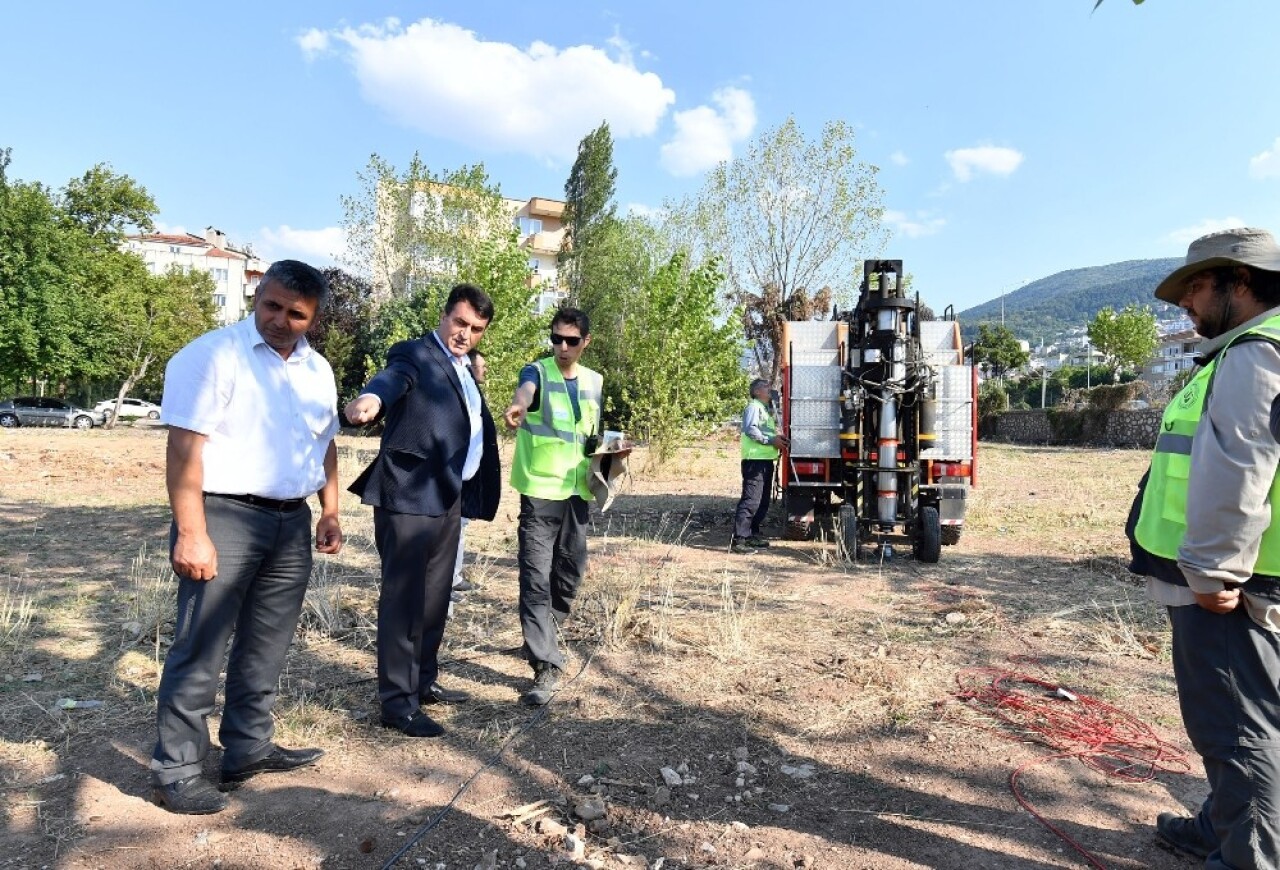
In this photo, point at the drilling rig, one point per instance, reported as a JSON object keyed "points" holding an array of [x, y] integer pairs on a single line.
{"points": [[880, 409]]}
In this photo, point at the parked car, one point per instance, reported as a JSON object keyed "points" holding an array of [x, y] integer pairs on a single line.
{"points": [[130, 409], [43, 411]]}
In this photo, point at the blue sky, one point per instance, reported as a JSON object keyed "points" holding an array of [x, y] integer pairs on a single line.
{"points": [[1015, 139]]}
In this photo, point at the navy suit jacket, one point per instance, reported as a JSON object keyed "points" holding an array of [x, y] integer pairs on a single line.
{"points": [[418, 469]]}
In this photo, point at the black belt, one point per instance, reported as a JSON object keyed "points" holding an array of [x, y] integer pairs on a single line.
{"points": [[275, 504]]}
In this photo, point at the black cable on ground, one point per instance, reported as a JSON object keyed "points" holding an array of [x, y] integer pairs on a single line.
{"points": [[490, 762]]}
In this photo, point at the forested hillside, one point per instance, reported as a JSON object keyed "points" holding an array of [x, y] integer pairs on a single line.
{"points": [[1052, 305]]}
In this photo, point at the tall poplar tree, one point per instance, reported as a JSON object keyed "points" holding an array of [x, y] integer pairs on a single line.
{"points": [[589, 208]]}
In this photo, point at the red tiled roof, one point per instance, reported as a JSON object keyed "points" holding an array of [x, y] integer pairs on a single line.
{"points": [[230, 255], [171, 239]]}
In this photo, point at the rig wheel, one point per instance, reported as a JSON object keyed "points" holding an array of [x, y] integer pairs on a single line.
{"points": [[951, 535], [928, 542]]}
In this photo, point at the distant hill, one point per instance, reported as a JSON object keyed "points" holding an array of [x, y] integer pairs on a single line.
{"points": [[1050, 306]]}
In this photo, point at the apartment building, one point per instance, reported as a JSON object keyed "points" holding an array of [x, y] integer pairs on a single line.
{"points": [[540, 225], [1176, 354], [236, 272]]}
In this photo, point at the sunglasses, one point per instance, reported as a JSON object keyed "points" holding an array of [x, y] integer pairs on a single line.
{"points": [[571, 340]]}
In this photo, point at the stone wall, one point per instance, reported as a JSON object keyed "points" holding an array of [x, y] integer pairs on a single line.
{"points": [[1089, 426]]}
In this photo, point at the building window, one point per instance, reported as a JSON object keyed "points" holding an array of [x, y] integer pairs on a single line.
{"points": [[220, 300], [534, 264], [174, 249], [529, 226], [218, 274]]}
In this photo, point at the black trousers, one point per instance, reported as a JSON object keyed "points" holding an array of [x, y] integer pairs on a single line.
{"points": [[418, 555], [757, 494], [264, 563], [553, 561]]}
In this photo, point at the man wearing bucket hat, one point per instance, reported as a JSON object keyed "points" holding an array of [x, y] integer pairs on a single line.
{"points": [[1202, 531]]}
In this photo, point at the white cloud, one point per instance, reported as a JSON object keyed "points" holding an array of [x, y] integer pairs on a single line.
{"points": [[985, 159], [313, 42], [705, 135], [541, 100], [897, 158], [170, 229], [320, 248], [1187, 235], [648, 212], [1266, 164], [924, 223]]}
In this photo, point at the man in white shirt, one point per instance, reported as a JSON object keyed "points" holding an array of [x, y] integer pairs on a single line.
{"points": [[252, 414]]}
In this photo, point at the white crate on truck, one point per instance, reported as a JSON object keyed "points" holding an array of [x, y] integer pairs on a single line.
{"points": [[955, 415]]}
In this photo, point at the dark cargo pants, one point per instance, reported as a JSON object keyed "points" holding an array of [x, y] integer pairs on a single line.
{"points": [[1227, 669], [553, 561]]}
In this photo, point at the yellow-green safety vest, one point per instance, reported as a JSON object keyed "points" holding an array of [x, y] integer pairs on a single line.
{"points": [[753, 449], [1162, 520], [550, 461]]}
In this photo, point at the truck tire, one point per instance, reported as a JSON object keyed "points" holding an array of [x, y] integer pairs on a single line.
{"points": [[928, 542], [951, 535]]}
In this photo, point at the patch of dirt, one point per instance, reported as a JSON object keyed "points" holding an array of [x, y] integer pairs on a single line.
{"points": [[801, 707]]}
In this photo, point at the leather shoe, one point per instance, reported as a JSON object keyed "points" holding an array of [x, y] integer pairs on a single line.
{"points": [[415, 724], [193, 796], [462, 584], [278, 761], [438, 694]]}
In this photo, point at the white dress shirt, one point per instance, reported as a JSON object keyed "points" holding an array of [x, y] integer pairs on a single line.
{"points": [[475, 448], [268, 420]]}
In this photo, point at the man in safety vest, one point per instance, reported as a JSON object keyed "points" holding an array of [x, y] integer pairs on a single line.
{"points": [[760, 443], [556, 415], [1202, 530]]}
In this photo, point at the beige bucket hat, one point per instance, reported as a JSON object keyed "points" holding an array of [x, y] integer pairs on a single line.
{"points": [[1242, 247]]}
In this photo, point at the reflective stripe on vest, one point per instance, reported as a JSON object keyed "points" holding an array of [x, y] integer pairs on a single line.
{"points": [[549, 460], [1162, 521], [753, 449]]}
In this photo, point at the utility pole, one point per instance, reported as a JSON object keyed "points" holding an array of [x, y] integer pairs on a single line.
{"points": [[1044, 381]]}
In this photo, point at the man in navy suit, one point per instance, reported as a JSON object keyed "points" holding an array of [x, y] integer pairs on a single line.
{"points": [[438, 460]]}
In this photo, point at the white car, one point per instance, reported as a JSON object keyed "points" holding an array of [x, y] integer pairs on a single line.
{"points": [[130, 409]]}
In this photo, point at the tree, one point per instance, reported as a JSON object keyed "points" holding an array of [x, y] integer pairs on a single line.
{"points": [[589, 208], [998, 351], [791, 218], [154, 321], [1127, 339], [342, 332], [684, 370], [408, 229], [105, 203]]}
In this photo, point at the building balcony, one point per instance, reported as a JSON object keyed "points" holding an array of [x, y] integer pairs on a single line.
{"points": [[541, 207], [545, 242]]}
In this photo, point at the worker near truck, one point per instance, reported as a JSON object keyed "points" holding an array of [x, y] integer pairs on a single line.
{"points": [[760, 446], [1203, 532]]}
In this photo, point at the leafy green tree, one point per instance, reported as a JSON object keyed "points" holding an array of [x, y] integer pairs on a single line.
{"points": [[411, 228], [684, 370], [107, 204], [998, 351], [791, 220], [1127, 339], [342, 332], [589, 208], [154, 319]]}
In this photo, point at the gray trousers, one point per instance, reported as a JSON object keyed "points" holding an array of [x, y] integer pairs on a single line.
{"points": [[418, 555], [553, 561], [757, 493], [1227, 668], [264, 563]]}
